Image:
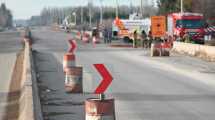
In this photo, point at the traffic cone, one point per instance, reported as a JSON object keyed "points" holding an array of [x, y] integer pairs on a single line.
{"points": [[73, 80]]}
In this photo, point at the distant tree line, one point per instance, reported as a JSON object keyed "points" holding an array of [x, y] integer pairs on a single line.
{"points": [[49, 16], [6, 18]]}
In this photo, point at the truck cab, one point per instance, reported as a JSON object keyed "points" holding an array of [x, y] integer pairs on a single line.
{"points": [[191, 24]]}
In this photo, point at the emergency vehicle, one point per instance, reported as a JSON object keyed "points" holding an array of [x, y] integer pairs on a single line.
{"points": [[124, 28], [179, 24]]}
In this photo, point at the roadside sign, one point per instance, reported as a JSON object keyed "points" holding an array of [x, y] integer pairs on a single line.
{"points": [[107, 78], [158, 26], [73, 45]]}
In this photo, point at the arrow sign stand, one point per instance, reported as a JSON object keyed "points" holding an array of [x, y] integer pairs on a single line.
{"points": [[99, 108], [107, 78]]}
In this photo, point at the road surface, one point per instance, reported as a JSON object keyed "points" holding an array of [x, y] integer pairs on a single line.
{"points": [[144, 88]]}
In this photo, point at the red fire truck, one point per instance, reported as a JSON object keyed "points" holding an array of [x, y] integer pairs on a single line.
{"points": [[191, 24]]}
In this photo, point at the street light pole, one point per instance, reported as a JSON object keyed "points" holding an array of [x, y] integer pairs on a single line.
{"points": [[90, 12], [141, 7], [82, 15], [101, 12], [182, 5], [117, 9], [74, 14]]}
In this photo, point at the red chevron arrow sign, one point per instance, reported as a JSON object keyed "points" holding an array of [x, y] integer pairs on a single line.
{"points": [[107, 78], [73, 45]]}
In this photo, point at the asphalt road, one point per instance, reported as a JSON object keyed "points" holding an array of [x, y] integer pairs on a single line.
{"points": [[144, 88]]}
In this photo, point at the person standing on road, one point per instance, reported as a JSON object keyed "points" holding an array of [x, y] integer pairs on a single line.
{"points": [[135, 39], [150, 38], [144, 42], [105, 35], [109, 35]]}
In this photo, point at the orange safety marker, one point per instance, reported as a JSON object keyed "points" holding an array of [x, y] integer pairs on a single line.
{"points": [[86, 38], [73, 80], [97, 109], [78, 35], [73, 45], [94, 42], [68, 61], [156, 49], [165, 51]]}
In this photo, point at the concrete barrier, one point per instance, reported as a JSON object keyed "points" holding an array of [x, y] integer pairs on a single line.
{"points": [[202, 51], [29, 106]]}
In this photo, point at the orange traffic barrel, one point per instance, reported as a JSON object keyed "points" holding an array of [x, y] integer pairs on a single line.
{"points": [[68, 61], [73, 80], [97, 109], [155, 49], [165, 51]]}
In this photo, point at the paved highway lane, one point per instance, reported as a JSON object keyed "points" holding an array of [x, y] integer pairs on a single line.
{"points": [[142, 89]]}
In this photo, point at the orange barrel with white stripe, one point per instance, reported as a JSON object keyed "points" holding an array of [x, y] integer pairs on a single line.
{"points": [[73, 80], [96, 109], [68, 61], [155, 49], [165, 49]]}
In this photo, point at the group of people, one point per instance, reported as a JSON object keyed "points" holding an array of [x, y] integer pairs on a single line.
{"points": [[144, 39]]}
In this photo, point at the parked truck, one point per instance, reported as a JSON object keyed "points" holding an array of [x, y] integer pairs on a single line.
{"points": [[181, 24]]}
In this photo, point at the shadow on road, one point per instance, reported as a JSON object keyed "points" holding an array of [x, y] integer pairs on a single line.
{"points": [[56, 103], [163, 97]]}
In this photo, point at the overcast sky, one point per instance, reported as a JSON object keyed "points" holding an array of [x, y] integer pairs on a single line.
{"points": [[24, 9]]}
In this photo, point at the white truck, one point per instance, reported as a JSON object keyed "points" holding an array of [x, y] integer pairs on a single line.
{"points": [[124, 28]]}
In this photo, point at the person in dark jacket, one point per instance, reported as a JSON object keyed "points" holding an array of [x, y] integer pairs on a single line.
{"points": [[109, 35], [135, 39], [144, 39], [105, 35]]}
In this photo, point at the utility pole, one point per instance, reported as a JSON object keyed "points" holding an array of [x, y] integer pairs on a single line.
{"points": [[117, 9], [141, 8], [182, 5], [101, 12], [90, 12], [74, 14], [82, 20]]}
